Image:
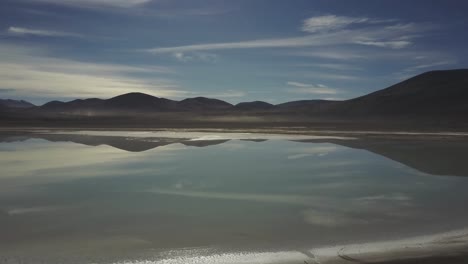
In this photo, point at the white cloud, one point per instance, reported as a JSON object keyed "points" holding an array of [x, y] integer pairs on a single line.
{"points": [[340, 58], [29, 72], [397, 44], [385, 197], [181, 56], [32, 210], [229, 94], [304, 88], [425, 63], [333, 22], [195, 56], [330, 22], [332, 66], [330, 54], [96, 3], [20, 31], [260, 43], [136, 7], [431, 65], [331, 76], [395, 37]]}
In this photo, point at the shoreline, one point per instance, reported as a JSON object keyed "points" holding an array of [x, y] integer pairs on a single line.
{"points": [[446, 244], [261, 130], [439, 248]]}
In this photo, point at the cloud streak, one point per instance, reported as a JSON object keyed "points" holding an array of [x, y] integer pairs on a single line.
{"points": [[96, 3], [330, 22], [394, 36], [397, 44], [27, 72], [331, 66], [196, 56], [21, 31], [305, 88]]}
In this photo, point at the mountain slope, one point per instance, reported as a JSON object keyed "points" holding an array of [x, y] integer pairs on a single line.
{"points": [[253, 106], [203, 103], [139, 102], [15, 104], [129, 103], [307, 106], [430, 93]]}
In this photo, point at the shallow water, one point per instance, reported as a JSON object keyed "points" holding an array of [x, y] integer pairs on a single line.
{"points": [[203, 198]]}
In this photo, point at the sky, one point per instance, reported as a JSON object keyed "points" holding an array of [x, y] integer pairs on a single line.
{"points": [[237, 50]]}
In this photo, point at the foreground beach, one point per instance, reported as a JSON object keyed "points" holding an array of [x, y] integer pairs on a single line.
{"points": [[443, 248]]}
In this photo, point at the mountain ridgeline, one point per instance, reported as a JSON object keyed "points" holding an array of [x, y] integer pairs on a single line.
{"points": [[435, 93], [15, 104]]}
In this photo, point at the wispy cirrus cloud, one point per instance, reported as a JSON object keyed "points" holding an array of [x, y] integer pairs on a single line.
{"points": [[305, 88], [322, 34], [30, 72], [431, 65], [341, 58], [260, 43], [397, 44], [195, 56], [21, 31], [229, 94], [331, 66], [331, 76], [139, 7], [95, 3], [395, 197], [330, 22], [330, 54], [333, 22], [423, 63]]}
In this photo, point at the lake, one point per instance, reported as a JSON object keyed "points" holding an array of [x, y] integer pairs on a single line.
{"points": [[211, 197]]}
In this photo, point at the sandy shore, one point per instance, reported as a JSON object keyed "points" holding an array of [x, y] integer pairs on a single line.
{"points": [[443, 248], [421, 249], [115, 131]]}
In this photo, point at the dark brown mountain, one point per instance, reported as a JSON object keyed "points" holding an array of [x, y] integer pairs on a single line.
{"points": [[135, 103], [430, 93], [315, 106], [15, 104], [139, 102], [126, 103], [254, 106], [76, 106], [203, 104]]}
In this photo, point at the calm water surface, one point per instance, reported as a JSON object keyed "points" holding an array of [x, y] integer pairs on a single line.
{"points": [[106, 198]]}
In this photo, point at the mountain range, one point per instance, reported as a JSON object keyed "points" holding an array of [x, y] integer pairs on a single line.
{"points": [[18, 104], [434, 93]]}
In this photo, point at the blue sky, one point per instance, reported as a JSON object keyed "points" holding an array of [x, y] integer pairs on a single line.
{"points": [[238, 50]]}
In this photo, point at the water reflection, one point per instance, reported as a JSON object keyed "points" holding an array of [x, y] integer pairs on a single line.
{"points": [[110, 198], [435, 155]]}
